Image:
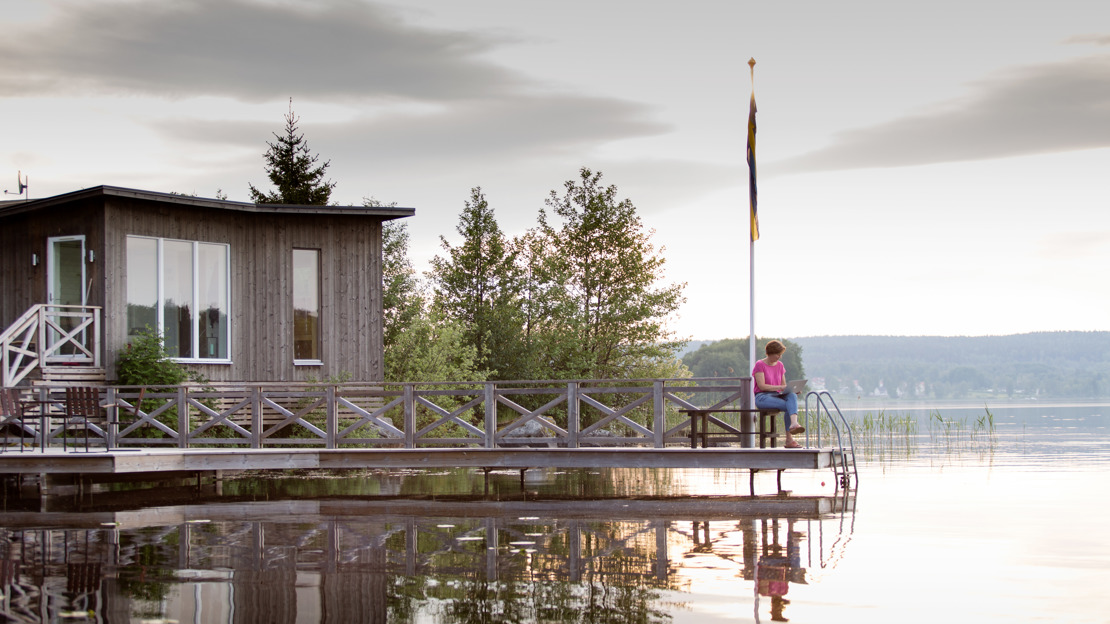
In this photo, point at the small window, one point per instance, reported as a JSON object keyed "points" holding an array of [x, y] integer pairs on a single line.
{"points": [[306, 306]]}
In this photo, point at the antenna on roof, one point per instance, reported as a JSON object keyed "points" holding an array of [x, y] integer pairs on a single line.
{"points": [[21, 182]]}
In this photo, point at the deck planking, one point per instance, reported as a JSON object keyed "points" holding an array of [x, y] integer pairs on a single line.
{"points": [[145, 461]]}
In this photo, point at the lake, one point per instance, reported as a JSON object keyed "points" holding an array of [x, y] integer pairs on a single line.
{"points": [[963, 513]]}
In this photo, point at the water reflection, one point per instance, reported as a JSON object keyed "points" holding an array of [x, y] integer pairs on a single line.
{"points": [[406, 560]]}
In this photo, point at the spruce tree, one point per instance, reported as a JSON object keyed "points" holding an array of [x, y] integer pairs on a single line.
{"points": [[293, 170], [477, 284]]}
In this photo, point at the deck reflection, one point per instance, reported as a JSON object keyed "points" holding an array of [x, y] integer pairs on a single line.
{"points": [[400, 559]]}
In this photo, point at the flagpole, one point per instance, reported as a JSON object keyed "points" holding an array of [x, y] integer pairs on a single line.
{"points": [[754, 227]]}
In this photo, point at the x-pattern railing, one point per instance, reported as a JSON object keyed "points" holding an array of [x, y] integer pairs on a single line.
{"points": [[49, 334], [420, 415]]}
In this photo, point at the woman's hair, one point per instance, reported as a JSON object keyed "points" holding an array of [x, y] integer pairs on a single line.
{"points": [[774, 347]]}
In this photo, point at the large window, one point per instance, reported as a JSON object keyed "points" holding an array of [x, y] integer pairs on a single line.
{"points": [[306, 306], [180, 289]]}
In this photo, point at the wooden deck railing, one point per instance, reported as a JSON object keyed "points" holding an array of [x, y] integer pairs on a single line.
{"points": [[49, 334], [567, 414]]}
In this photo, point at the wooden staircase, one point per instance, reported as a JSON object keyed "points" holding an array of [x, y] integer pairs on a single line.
{"points": [[66, 376]]}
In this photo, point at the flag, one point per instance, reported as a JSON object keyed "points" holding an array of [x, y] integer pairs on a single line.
{"points": [[751, 169]]}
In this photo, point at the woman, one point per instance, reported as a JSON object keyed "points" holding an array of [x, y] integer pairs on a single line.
{"points": [[770, 382]]}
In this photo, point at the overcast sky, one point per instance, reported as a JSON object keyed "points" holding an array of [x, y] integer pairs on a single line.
{"points": [[935, 168]]}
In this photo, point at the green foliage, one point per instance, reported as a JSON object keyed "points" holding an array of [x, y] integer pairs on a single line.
{"points": [[432, 348], [292, 168], [478, 285], [144, 362], [729, 358], [421, 344], [596, 305], [402, 303]]}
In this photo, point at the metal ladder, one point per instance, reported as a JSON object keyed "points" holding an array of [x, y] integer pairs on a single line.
{"points": [[822, 402]]}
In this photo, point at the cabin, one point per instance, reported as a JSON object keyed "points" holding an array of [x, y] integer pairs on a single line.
{"points": [[239, 291]]}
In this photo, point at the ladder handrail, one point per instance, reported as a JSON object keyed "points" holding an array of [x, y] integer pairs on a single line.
{"points": [[819, 398]]}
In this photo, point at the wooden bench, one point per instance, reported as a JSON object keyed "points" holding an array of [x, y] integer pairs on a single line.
{"points": [[700, 418]]}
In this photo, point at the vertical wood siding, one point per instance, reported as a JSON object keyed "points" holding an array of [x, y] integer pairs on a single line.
{"points": [[23, 285], [261, 252]]}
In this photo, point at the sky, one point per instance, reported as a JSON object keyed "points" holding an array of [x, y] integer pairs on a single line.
{"points": [[924, 168]]}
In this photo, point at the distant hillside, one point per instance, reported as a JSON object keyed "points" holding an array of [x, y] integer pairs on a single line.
{"points": [[1056, 364], [692, 346], [1043, 364]]}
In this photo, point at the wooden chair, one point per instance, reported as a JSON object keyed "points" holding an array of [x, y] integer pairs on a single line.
{"points": [[11, 410], [82, 406]]}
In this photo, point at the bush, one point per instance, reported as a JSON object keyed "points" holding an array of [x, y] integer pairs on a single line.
{"points": [[144, 362]]}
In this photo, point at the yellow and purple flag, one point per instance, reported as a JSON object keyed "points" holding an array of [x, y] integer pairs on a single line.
{"points": [[752, 195]]}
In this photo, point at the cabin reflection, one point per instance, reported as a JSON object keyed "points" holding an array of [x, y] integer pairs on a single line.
{"points": [[404, 560]]}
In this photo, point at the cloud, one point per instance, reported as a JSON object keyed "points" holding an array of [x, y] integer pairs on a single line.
{"points": [[501, 129], [1054, 107], [247, 50], [1090, 38]]}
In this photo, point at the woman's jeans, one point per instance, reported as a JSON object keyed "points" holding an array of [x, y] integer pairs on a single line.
{"points": [[772, 400]]}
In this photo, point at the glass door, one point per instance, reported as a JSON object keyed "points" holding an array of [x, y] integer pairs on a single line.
{"points": [[65, 268]]}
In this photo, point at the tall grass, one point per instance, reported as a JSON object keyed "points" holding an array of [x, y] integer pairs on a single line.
{"points": [[881, 435]]}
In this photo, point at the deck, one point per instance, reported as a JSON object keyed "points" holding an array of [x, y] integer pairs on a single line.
{"points": [[149, 461], [503, 425]]}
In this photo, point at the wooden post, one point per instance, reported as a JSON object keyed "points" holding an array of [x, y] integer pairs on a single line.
{"points": [[182, 417], [574, 424], [749, 420], [659, 424], [113, 416], [490, 391], [410, 416], [256, 417], [331, 427]]}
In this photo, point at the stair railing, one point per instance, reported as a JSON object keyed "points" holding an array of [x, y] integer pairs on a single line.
{"points": [[822, 402], [48, 334]]}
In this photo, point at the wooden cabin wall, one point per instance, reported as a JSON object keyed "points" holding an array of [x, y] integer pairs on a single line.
{"points": [[261, 301], [22, 284], [17, 277]]}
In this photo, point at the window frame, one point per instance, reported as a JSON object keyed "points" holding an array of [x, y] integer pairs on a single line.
{"points": [[319, 359], [160, 288]]}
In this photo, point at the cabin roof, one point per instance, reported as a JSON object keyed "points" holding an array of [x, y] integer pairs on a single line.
{"points": [[386, 213]]}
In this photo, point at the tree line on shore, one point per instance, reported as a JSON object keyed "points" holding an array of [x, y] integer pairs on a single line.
{"points": [[1022, 366]]}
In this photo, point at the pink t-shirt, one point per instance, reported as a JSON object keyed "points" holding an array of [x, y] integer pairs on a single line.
{"points": [[772, 375]]}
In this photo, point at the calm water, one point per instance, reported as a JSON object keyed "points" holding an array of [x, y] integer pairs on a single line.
{"points": [[949, 523]]}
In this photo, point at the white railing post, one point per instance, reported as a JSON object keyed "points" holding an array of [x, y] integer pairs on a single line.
{"points": [[96, 337], [40, 335]]}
